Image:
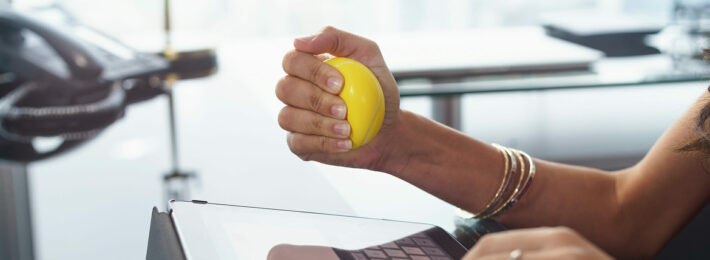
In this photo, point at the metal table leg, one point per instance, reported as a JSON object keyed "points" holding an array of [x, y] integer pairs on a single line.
{"points": [[447, 110], [15, 219]]}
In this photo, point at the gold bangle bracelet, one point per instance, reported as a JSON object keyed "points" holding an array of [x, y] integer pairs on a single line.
{"points": [[528, 180], [508, 180], [503, 182], [516, 191], [503, 185], [525, 185]]}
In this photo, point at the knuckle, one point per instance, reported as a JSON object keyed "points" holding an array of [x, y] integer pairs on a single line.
{"points": [[316, 101], [281, 88], [565, 231], [485, 241], [328, 28], [292, 141], [323, 143], [297, 146], [288, 60], [574, 253], [469, 256], [289, 142], [562, 235], [305, 157], [372, 46], [317, 69], [317, 123], [284, 118], [474, 253]]}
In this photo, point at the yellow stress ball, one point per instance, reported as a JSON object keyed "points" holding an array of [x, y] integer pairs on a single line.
{"points": [[363, 97]]}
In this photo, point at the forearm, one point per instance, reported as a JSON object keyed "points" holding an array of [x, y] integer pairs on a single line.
{"points": [[466, 172], [443, 161]]}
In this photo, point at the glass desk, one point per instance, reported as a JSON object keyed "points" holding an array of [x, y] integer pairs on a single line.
{"points": [[607, 72]]}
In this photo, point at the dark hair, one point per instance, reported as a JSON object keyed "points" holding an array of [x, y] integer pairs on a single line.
{"points": [[702, 141]]}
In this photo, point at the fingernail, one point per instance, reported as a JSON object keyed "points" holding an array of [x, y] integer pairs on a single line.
{"points": [[345, 144], [334, 84], [342, 129], [338, 111], [306, 38]]}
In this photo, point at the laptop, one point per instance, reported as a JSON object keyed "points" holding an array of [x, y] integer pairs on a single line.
{"points": [[219, 231]]}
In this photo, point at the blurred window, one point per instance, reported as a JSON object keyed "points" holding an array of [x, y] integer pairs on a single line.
{"points": [[265, 18]]}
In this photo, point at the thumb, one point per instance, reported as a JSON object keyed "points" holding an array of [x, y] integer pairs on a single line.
{"points": [[338, 43]]}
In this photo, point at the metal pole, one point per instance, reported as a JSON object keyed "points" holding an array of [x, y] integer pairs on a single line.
{"points": [[177, 182], [175, 165], [15, 219], [167, 24], [446, 109]]}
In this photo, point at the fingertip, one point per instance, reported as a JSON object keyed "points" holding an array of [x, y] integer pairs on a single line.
{"points": [[342, 129], [344, 145], [334, 84], [338, 111]]}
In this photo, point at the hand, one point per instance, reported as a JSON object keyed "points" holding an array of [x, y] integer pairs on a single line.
{"points": [[538, 243], [315, 115]]}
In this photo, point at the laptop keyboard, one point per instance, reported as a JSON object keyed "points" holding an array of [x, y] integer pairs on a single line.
{"points": [[415, 247]]}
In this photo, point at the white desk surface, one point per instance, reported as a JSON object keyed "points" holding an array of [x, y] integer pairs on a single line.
{"points": [[483, 50]]}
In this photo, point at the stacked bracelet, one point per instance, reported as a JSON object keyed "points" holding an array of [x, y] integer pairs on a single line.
{"points": [[495, 206], [510, 166], [508, 175]]}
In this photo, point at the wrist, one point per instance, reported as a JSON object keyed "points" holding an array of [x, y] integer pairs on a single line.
{"points": [[396, 151], [440, 160]]}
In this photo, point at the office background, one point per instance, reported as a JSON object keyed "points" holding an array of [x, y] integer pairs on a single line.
{"points": [[94, 202]]}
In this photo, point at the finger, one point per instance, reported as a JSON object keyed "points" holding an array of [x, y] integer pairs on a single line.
{"points": [[553, 253], [337, 42], [303, 94], [525, 239], [301, 144], [311, 68], [307, 122]]}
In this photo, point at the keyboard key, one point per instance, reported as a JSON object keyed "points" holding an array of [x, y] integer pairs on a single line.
{"points": [[420, 235], [424, 242], [375, 253], [405, 241], [358, 256], [433, 251], [418, 257], [391, 245], [413, 250], [441, 258], [395, 252]]}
